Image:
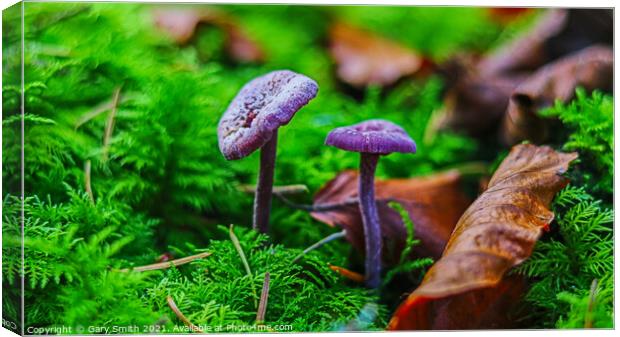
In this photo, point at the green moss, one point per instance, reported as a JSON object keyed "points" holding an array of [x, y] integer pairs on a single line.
{"points": [[590, 119], [564, 265], [218, 293]]}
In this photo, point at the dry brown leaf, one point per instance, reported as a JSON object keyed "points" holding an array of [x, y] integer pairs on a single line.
{"points": [[476, 104], [590, 68], [497, 232], [240, 47], [494, 307], [182, 24], [364, 58], [479, 90], [527, 52], [434, 203], [557, 33]]}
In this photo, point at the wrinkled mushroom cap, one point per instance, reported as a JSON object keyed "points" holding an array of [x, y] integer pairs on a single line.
{"points": [[372, 136], [261, 107]]}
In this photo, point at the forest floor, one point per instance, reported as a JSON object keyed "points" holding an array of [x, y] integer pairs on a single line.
{"points": [[511, 112]]}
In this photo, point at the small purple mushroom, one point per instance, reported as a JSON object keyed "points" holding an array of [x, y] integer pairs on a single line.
{"points": [[372, 139], [252, 121]]}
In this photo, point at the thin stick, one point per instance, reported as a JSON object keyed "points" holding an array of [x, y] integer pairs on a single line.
{"points": [[87, 185], [180, 315], [264, 296], [351, 275], [101, 108], [109, 125], [167, 264], [318, 207], [244, 260], [237, 245], [320, 243], [284, 190], [326, 207], [588, 322]]}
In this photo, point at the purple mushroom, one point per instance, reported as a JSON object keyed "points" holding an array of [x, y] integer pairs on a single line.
{"points": [[372, 139], [252, 121]]}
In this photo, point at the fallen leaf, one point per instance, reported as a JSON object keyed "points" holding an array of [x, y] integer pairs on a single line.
{"points": [[590, 68], [466, 287], [475, 104], [240, 47], [479, 89], [364, 58], [527, 52], [434, 203], [182, 24], [557, 33], [492, 307]]}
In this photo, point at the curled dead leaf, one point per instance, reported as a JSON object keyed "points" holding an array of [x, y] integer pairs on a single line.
{"points": [[466, 286], [476, 104], [181, 25], [364, 58], [557, 33], [479, 90], [240, 47], [434, 204], [527, 52], [590, 68]]}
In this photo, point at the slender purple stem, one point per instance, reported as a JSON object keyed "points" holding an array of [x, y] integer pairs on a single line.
{"points": [[264, 186], [370, 219]]}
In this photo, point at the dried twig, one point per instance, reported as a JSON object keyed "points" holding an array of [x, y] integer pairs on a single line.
{"points": [[326, 207], [319, 207], [264, 296], [237, 245], [588, 320], [244, 260], [87, 185], [320, 243], [180, 315], [101, 108], [351, 275], [167, 264], [109, 125], [281, 190]]}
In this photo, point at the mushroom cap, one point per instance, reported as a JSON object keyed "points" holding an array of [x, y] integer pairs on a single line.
{"points": [[260, 108], [372, 136]]}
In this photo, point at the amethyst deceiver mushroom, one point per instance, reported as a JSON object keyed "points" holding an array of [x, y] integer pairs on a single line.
{"points": [[252, 121], [372, 139]]}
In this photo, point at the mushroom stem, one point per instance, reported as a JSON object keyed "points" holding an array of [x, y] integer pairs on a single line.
{"points": [[370, 218], [264, 186]]}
